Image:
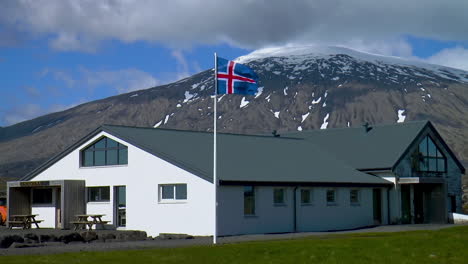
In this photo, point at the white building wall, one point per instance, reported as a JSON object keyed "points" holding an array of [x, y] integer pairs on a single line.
{"points": [[318, 216], [141, 177]]}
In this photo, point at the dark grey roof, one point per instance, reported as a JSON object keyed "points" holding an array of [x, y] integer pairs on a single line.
{"points": [[241, 158], [379, 148]]}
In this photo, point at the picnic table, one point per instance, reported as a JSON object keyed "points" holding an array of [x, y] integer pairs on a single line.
{"points": [[24, 221], [88, 220]]}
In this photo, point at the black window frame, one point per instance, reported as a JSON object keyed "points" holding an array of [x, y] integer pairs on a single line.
{"points": [[121, 159], [357, 196], [334, 202], [425, 158], [309, 196], [101, 194], [249, 201], [281, 192]]}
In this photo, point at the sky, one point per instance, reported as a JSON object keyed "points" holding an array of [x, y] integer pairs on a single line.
{"points": [[56, 54]]}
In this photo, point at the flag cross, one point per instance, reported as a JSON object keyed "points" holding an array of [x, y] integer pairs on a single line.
{"points": [[231, 77]]}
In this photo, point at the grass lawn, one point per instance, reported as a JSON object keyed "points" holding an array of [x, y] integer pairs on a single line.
{"points": [[443, 246]]}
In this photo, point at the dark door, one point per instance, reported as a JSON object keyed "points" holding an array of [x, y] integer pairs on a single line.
{"points": [[120, 206], [418, 205], [377, 198], [405, 204]]}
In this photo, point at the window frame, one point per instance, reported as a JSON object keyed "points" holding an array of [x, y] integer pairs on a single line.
{"points": [[335, 197], [311, 199], [121, 149], [425, 158], [254, 209], [88, 194], [283, 200], [174, 198], [358, 197]]}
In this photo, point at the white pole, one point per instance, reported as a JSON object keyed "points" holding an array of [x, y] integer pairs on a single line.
{"points": [[215, 179]]}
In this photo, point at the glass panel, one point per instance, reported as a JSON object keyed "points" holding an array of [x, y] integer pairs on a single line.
{"points": [[423, 147], [167, 192], [99, 194], [111, 143], [181, 191], [330, 196], [123, 156], [278, 196], [432, 164], [441, 165], [101, 143], [87, 158], [121, 199], [100, 158], [432, 148], [422, 165], [249, 200], [42, 196], [305, 196], [111, 157]]}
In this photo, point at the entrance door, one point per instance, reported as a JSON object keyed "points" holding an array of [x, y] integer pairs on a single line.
{"points": [[58, 208], [418, 204], [377, 198], [405, 204], [120, 204]]}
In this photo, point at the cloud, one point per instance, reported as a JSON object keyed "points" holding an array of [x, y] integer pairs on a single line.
{"points": [[32, 91], [122, 81], [182, 64], [454, 57], [82, 25]]}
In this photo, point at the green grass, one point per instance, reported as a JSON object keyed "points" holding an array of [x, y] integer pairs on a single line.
{"points": [[443, 246]]}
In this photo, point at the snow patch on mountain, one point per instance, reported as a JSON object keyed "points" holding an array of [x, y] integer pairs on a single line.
{"points": [[325, 122], [243, 103], [401, 117]]}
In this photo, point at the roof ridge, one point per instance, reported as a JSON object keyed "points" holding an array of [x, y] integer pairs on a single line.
{"points": [[202, 132]]}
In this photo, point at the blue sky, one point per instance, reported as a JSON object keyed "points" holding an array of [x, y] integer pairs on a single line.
{"points": [[56, 54]]}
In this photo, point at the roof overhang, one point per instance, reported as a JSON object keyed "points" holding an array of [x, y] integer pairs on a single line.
{"points": [[311, 184]]}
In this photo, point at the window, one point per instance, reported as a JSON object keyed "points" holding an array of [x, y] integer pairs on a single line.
{"points": [[249, 200], [42, 196], [331, 197], [429, 158], [354, 197], [306, 196], [278, 196], [104, 152], [99, 194], [172, 192]]}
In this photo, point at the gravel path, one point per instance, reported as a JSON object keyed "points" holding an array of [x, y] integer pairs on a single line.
{"points": [[55, 248]]}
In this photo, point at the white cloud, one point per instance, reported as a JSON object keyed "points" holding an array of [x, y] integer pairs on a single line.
{"points": [[82, 25], [454, 57], [182, 64], [122, 81]]}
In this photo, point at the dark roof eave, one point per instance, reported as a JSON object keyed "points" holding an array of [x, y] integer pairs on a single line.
{"points": [[316, 184]]}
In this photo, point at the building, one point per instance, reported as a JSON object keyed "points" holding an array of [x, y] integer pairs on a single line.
{"points": [[160, 180]]}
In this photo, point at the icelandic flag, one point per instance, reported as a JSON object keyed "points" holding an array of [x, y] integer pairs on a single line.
{"points": [[235, 78]]}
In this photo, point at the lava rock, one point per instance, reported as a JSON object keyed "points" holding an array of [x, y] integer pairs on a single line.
{"points": [[6, 241]]}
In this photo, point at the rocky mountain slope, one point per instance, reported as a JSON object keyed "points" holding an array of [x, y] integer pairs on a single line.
{"points": [[301, 88]]}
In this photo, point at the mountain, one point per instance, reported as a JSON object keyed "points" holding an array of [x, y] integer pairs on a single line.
{"points": [[301, 88]]}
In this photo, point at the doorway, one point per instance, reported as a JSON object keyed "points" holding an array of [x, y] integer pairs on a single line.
{"points": [[377, 198], [58, 208], [120, 204]]}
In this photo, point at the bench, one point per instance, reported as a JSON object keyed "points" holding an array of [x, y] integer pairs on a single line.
{"points": [[89, 224], [23, 224]]}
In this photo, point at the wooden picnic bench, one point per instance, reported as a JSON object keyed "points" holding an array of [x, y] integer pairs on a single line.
{"points": [[83, 222], [24, 221]]}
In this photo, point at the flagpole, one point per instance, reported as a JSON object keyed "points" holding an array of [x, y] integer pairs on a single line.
{"points": [[215, 179]]}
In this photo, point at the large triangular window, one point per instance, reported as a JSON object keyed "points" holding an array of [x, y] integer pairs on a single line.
{"points": [[430, 158], [104, 152]]}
